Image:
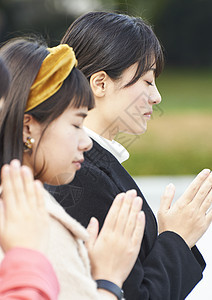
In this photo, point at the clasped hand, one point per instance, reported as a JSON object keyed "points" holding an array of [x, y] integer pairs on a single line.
{"points": [[114, 252], [191, 215]]}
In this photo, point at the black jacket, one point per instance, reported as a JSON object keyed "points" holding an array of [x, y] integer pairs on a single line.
{"points": [[166, 269]]}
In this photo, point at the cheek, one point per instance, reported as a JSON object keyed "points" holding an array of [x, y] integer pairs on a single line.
{"points": [[134, 98], [65, 152], [62, 148], [55, 165], [136, 109], [134, 117]]}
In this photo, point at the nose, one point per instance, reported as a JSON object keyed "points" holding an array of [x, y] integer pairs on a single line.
{"points": [[155, 97], [85, 143]]}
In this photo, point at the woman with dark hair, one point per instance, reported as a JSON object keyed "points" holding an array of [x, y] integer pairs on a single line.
{"points": [[121, 57], [24, 226], [41, 127]]}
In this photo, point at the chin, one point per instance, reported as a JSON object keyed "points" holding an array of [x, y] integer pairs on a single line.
{"points": [[141, 131], [136, 128], [137, 131], [68, 179], [63, 178]]}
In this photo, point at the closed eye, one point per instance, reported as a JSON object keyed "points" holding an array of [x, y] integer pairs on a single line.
{"points": [[76, 126], [149, 83]]}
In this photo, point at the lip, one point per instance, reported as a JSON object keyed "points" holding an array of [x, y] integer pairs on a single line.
{"points": [[78, 163], [148, 114]]}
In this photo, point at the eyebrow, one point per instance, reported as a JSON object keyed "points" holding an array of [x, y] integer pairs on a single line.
{"points": [[81, 114]]}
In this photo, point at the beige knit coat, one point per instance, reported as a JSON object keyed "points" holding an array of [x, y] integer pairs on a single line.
{"points": [[68, 255]]}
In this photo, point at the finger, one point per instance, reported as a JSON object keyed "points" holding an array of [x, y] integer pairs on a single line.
{"points": [[203, 191], [194, 187], [206, 204], [92, 229], [112, 215], [131, 222], [29, 187], [208, 217], [167, 197], [125, 211], [17, 181], [8, 190], [139, 229]]}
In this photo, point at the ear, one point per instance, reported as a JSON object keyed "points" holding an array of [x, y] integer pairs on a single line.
{"points": [[98, 83], [28, 127]]}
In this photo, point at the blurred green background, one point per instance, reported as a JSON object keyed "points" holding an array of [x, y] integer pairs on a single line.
{"points": [[179, 137]]}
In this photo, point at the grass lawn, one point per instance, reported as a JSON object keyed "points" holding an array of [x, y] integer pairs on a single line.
{"points": [[179, 137], [185, 90]]}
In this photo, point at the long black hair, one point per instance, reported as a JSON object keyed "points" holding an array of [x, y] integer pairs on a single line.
{"points": [[113, 42], [23, 59], [4, 79]]}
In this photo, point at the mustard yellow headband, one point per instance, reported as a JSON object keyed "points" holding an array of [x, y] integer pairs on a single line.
{"points": [[54, 70]]}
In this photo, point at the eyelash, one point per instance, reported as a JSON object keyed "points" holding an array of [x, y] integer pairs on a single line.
{"points": [[76, 126], [149, 83]]}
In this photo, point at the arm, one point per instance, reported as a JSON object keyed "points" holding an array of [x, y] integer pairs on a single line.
{"points": [[165, 266], [24, 229], [27, 274]]}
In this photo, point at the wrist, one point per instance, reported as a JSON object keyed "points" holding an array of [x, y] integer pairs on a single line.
{"points": [[110, 277], [110, 287]]}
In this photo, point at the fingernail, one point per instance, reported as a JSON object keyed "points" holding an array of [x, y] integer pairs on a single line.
{"points": [[136, 202], [38, 183], [120, 197], [206, 171], [26, 170], [15, 163], [132, 192], [170, 186], [92, 222], [6, 169]]}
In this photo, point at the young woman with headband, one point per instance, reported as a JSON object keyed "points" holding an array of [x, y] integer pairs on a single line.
{"points": [[41, 127], [24, 271], [121, 57]]}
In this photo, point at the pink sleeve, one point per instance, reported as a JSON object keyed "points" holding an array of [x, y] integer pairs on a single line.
{"points": [[27, 274]]}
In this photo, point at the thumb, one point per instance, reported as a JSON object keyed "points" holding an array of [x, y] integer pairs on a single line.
{"points": [[93, 230], [167, 197]]}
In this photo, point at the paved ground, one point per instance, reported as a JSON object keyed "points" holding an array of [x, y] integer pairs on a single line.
{"points": [[152, 188]]}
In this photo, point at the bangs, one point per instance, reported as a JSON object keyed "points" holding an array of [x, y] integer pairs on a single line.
{"points": [[147, 52], [146, 62]]}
